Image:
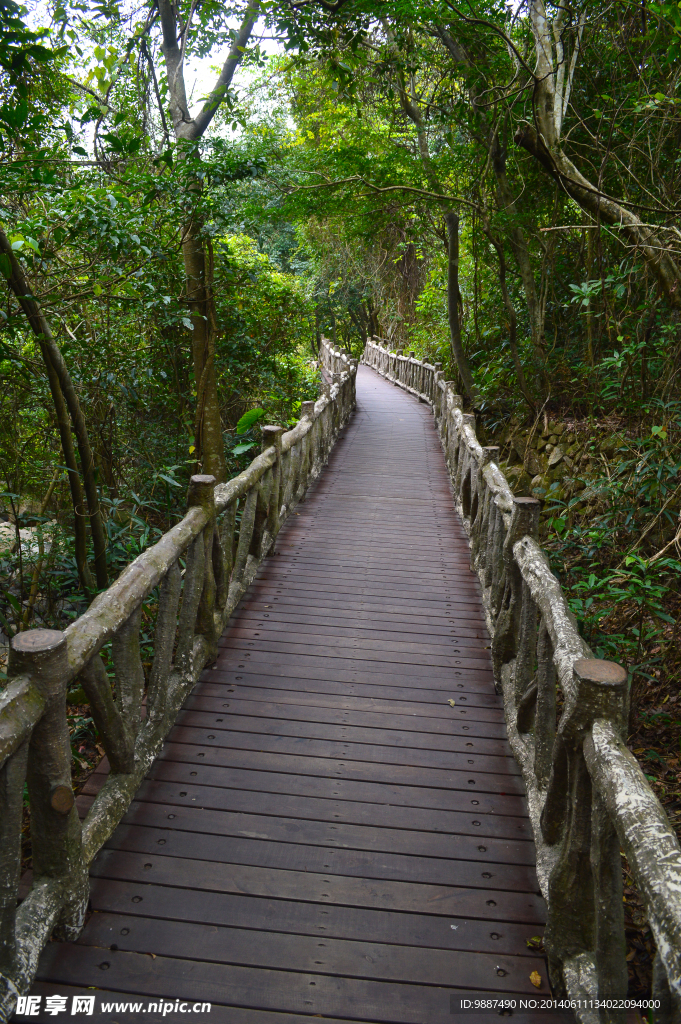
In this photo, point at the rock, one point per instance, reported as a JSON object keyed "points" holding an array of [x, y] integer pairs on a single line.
{"points": [[553, 439], [556, 456], [559, 429], [549, 447], [524, 485], [518, 446], [537, 464], [567, 461], [536, 481]]}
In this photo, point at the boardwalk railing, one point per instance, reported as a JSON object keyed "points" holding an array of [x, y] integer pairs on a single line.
{"points": [[588, 798], [182, 592]]}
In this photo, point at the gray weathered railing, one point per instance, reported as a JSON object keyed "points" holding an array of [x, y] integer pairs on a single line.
{"points": [[335, 359], [227, 531], [588, 798]]}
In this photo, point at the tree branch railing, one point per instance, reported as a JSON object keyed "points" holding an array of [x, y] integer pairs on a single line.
{"points": [[227, 531], [588, 798]]}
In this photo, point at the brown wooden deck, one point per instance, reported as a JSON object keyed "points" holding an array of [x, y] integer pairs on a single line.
{"points": [[324, 835]]}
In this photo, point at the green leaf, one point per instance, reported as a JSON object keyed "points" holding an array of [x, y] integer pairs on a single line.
{"points": [[248, 420], [241, 448], [169, 480]]}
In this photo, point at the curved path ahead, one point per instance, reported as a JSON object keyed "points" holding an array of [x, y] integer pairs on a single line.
{"points": [[325, 835]]}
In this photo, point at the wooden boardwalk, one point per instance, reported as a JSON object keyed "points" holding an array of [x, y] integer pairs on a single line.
{"points": [[324, 835]]}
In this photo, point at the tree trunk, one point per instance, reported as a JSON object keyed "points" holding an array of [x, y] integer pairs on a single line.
{"points": [[453, 302], [452, 222], [55, 361], [76, 488], [208, 425]]}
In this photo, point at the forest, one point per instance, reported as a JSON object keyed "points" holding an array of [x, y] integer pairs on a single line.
{"points": [[192, 194]]}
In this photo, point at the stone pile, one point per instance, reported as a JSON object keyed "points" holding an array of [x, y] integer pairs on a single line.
{"points": [[556, 461]]}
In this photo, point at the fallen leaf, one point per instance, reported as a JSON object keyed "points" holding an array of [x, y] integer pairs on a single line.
{"points": [[452, 703], [535, 942], [535, 978]]}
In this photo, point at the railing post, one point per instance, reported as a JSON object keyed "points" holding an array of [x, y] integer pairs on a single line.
{"points": [[271, 436], [12, 779], [202, 493], [478, 534], [516, 626], [56, 835], [308, 458], [585, 886]]}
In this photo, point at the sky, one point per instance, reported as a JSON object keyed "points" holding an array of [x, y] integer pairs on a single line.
{"points": [[200, 74]]}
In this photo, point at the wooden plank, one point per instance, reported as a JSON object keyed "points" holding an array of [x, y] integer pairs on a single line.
{"points": [[375, 728], [345, 750], [455, 594], [353, 642], [338, 668], [311, 954], [355, 654], [115, 1007], [305, 784], [426, 702], [311, 711], [260, 594], [264, 914], [463, 582], [317, 887], [331, 768], [372, 597], [310, 622], [459, 740], [474, 682], [338, 835], [294, 856], [292, 992], [473, 822]]}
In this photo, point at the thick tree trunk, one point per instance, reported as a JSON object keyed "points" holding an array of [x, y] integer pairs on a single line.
{"points": [[55, 361], [452, 222], [208, 425], [453, 303]]}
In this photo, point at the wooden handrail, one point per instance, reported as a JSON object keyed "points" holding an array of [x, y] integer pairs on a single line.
{"points": [[587, 795], [193, 608]]}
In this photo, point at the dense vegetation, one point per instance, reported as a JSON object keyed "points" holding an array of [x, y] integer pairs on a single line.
{"points": [[494, 187]]}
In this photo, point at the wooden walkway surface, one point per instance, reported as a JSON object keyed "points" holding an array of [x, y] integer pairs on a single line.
{"points": [[324, 835]]}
